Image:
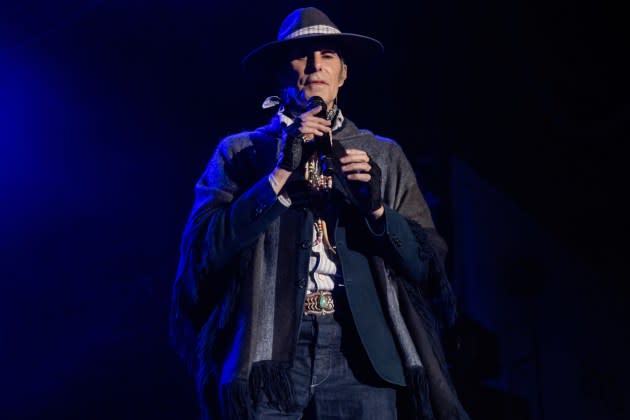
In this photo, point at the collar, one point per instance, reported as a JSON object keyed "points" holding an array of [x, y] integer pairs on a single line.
{"points": [[287, 120]]}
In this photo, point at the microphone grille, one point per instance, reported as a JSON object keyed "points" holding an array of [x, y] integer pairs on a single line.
{"points": [[315, 101]]}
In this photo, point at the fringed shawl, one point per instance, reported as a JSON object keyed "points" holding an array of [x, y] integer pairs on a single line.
{"points": [[236, 329]]}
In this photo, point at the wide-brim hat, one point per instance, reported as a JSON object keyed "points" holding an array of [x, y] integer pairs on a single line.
{"points": [[306, 26]]}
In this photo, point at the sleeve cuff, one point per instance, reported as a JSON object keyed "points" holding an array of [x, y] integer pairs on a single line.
{"points": [[378, 227], [283, 197]]}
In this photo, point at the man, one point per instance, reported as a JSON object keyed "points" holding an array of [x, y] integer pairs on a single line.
{"points": [[310, 259]]}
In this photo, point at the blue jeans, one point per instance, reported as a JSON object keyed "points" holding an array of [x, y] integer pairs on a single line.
{"points": [[332, 376]]}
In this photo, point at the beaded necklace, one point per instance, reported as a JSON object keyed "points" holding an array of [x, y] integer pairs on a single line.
{"points": [[321, 236]]}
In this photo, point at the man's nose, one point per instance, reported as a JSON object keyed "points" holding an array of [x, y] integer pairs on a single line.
{"points": [[313, 63]]}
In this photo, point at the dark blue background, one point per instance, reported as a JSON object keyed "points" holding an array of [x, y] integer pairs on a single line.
{"points": [[109, 111]]}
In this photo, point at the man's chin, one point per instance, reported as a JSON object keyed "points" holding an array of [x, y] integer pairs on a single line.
{"points": [[308, 93]]}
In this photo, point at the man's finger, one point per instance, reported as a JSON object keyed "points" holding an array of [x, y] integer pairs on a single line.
{"points": [[356, 167], [357, 157], [362, 177]]}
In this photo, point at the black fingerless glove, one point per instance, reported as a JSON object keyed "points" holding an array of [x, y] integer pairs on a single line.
{"points": [[368, 194], [292, 147], [365, 196]]}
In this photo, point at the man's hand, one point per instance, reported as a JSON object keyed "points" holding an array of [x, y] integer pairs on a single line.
{"points": [[364, 180], [304, 129]]}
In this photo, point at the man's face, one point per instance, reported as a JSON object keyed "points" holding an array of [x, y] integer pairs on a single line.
{"points": [[317, 71]]}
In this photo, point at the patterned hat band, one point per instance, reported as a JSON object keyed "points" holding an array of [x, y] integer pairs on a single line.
{"points": [[313, 30]]}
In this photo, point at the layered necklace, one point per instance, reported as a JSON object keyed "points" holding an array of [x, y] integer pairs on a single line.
{"points": [[320, 186]]}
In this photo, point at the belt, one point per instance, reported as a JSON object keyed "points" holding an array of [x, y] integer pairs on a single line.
{"points": [[319, 303]]}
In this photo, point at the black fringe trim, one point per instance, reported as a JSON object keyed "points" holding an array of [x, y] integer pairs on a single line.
{"points": [[272, 379], [418, 385]]}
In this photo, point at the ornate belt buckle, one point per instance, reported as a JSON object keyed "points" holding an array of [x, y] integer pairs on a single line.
{"points": [[319, 303]]}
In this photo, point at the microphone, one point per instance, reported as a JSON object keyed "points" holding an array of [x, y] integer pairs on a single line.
{"points": [[323, 144], [317, 101]]}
